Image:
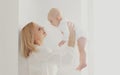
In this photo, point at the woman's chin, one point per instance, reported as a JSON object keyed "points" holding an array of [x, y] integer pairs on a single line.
{"points": [[45, 35]]}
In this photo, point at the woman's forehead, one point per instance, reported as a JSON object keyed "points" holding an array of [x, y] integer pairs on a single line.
{"points": [[38, 26]]}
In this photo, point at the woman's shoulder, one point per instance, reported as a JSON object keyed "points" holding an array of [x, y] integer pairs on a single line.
{"points": [[43, 49]]}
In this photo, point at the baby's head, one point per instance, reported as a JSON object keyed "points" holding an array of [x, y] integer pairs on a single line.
{"points": [[32, 34], [54, 16]]}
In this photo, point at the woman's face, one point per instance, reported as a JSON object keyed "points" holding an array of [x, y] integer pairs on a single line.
{"points": [[39, 34]]}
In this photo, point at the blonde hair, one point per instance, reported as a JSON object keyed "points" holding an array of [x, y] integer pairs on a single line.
{"points": [[27, 39], [53, 13]]}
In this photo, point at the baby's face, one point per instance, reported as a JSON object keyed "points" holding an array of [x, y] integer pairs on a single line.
{"points": [[55, 20]]}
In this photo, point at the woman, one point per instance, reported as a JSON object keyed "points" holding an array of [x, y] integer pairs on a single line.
{"points": [[39, 56]]}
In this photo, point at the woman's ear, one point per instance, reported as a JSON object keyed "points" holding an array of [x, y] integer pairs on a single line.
{"points": [[51, 21]]}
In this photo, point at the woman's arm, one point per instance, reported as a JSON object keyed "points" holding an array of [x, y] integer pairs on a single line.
{"points": [[72, 35]]}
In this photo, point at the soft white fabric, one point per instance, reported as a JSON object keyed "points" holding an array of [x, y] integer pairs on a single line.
{"points": [[64, 29], [67, 65], [53, 36], [40, 61]]}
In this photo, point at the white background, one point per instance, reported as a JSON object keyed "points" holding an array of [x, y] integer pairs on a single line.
{"points": [[105, 43], [37, 10], [107, 37], [8, 37]]}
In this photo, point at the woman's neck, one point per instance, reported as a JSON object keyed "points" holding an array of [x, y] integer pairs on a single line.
{"points": [[38, 43]]}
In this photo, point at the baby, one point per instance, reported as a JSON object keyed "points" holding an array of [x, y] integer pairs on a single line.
{"points": [[56, 19]]}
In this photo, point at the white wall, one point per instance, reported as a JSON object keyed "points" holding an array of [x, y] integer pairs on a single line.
{"points": [[37, 10], [8, 37], [107, 37]]}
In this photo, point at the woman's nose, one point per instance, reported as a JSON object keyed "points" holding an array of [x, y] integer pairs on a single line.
{"points": [[42, 28]]}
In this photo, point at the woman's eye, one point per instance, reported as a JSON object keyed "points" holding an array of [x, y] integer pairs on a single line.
{"points": [[39, 29]]}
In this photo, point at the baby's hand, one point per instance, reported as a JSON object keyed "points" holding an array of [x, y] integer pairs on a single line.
{"points": [[61, 43]]}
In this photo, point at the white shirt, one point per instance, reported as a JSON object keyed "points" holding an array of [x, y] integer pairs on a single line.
{"points": [[40, 60], [53, 37], [64, 29]]}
